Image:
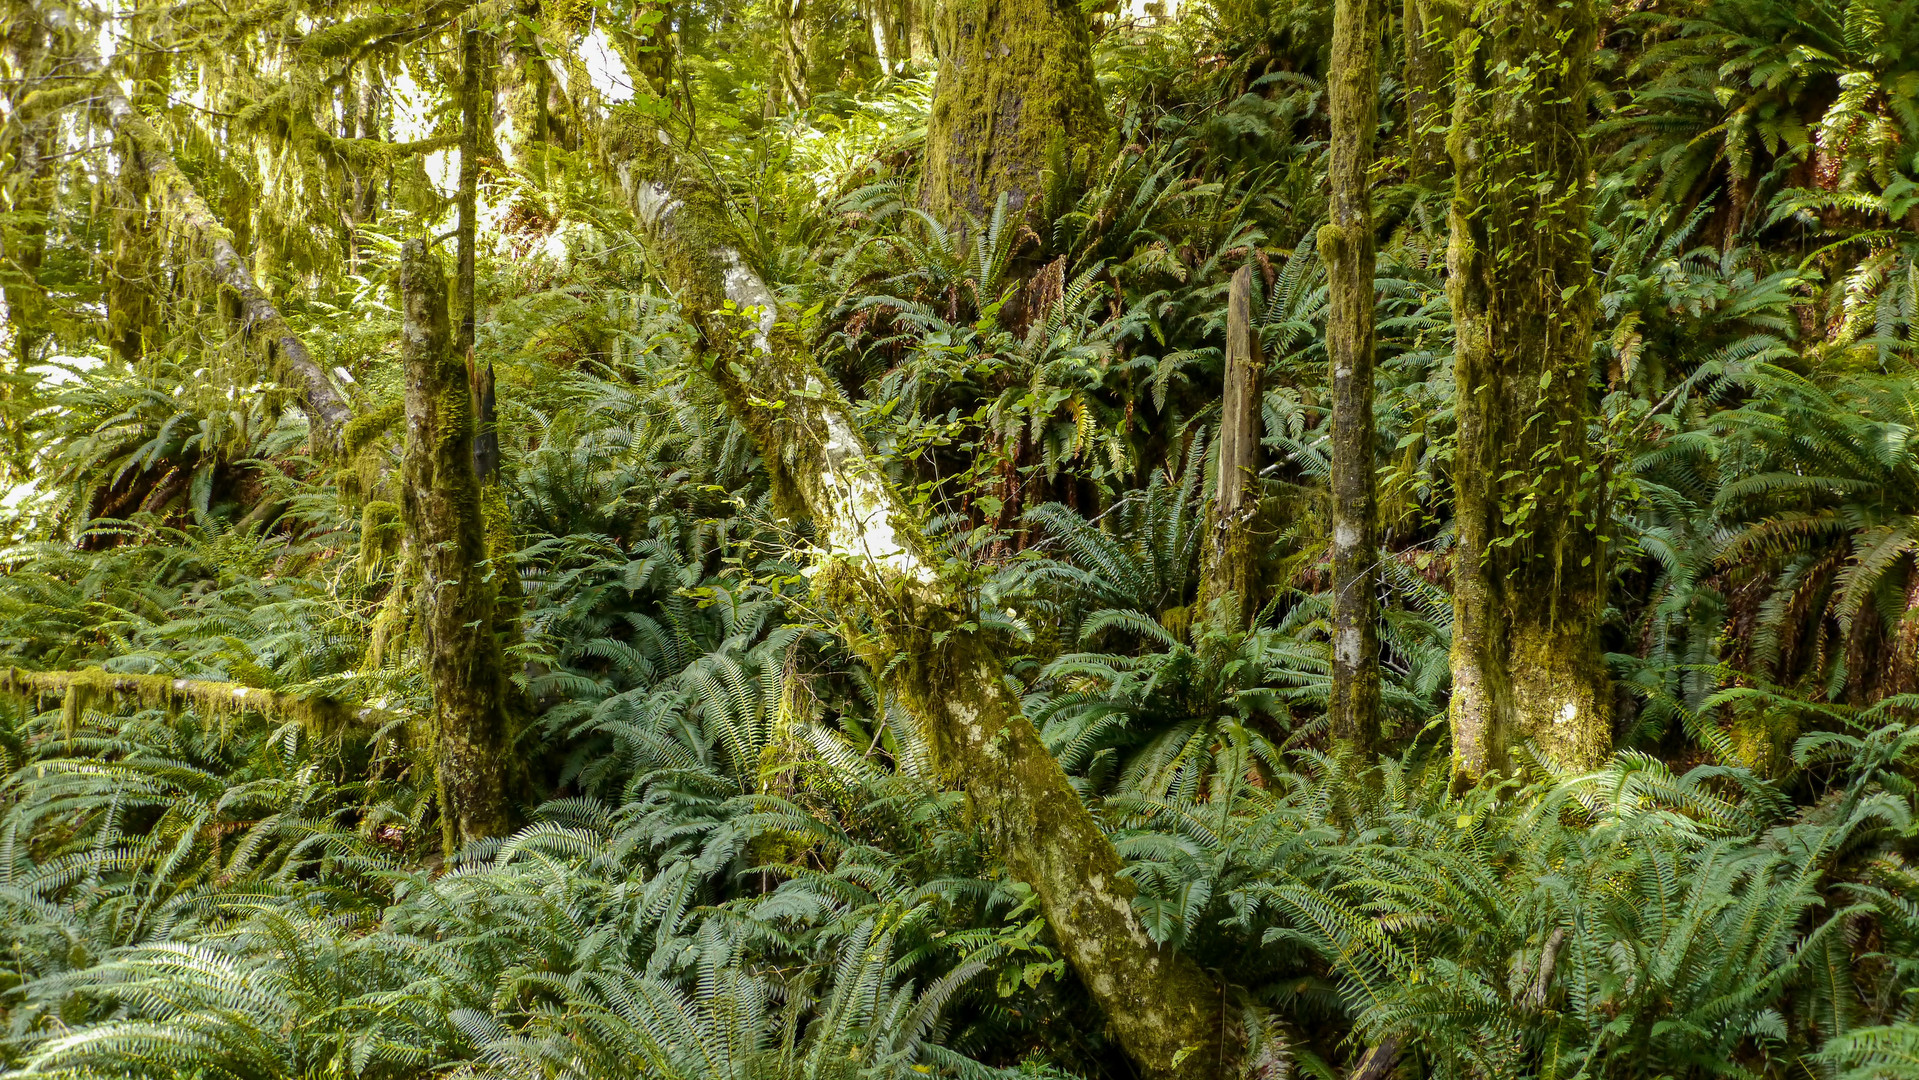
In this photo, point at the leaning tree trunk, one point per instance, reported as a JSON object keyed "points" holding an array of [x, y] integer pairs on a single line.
{"points": [[1229, 575], [1346, 246], [1163, 1008], [1529, 557], [1015, 99], [457, 599], [167, 185]]}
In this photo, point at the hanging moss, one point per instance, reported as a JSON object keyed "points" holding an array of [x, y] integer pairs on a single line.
{"points": [[380, 533], [83, 689]]}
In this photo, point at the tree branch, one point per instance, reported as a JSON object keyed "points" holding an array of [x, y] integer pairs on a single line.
{"points": [[210, 695]]}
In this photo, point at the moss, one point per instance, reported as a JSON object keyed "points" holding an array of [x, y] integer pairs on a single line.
{"points": [[361, 431], [380, 533], [1015, 93]]}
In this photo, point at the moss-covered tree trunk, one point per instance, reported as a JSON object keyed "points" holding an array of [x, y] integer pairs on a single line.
{"points": [[1529, 561], [1015, 99], [795, 89], [1165, 1011], [26, 198], [440, 502], [1229, 578], [1346, 246]]}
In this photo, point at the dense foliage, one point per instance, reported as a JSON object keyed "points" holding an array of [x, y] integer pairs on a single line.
{"points": [[737, 856]]}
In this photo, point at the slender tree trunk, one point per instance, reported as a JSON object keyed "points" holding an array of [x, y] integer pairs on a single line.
{"points": [[795, 93], [1165, 1011], [1346, 246], [475, 102], [471, 81], [880, 18], [1529, 561], [1015, 100], [27, 202], [457, 598], [1230, 576]]}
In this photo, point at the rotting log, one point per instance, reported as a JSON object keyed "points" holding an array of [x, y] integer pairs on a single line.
{"points": [[1230, 576], [1168, 1015]]}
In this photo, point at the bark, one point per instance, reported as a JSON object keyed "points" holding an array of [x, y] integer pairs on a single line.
{"points": [[456, 596], [795, 93], [1015, 100], [470, 83], [1164, 1010], [1529, 559], [326, 409], [879, 17], [29, 141], [1346, 246], [1427, 27], [1230, 578]]}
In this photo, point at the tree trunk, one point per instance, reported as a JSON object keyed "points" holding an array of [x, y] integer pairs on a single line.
{"points": [[210, 696], [1529, 558], [1427, 27], [1346, 246], [441, 505], [795, 92], [1015, 100], [26, 201], [1164, 1010], [471, 81], [1230, 579]]}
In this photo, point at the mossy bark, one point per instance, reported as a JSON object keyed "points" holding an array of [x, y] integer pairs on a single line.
{"points": [[1229, 578], [1164, 1010], [1015, 99], [27, 197], [1346, 246], [455, 594], [472, 82], [1427, 28], [1529, 561]]}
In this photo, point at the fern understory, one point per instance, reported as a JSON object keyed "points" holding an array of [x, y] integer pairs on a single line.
{"points": [[737, 858]]}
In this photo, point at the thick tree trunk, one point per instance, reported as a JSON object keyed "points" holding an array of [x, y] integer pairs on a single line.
{"points": [[1229, 578], [1015, 99], [457, 599], [1346, 246], [1529, 561], [1164, 1010]]}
